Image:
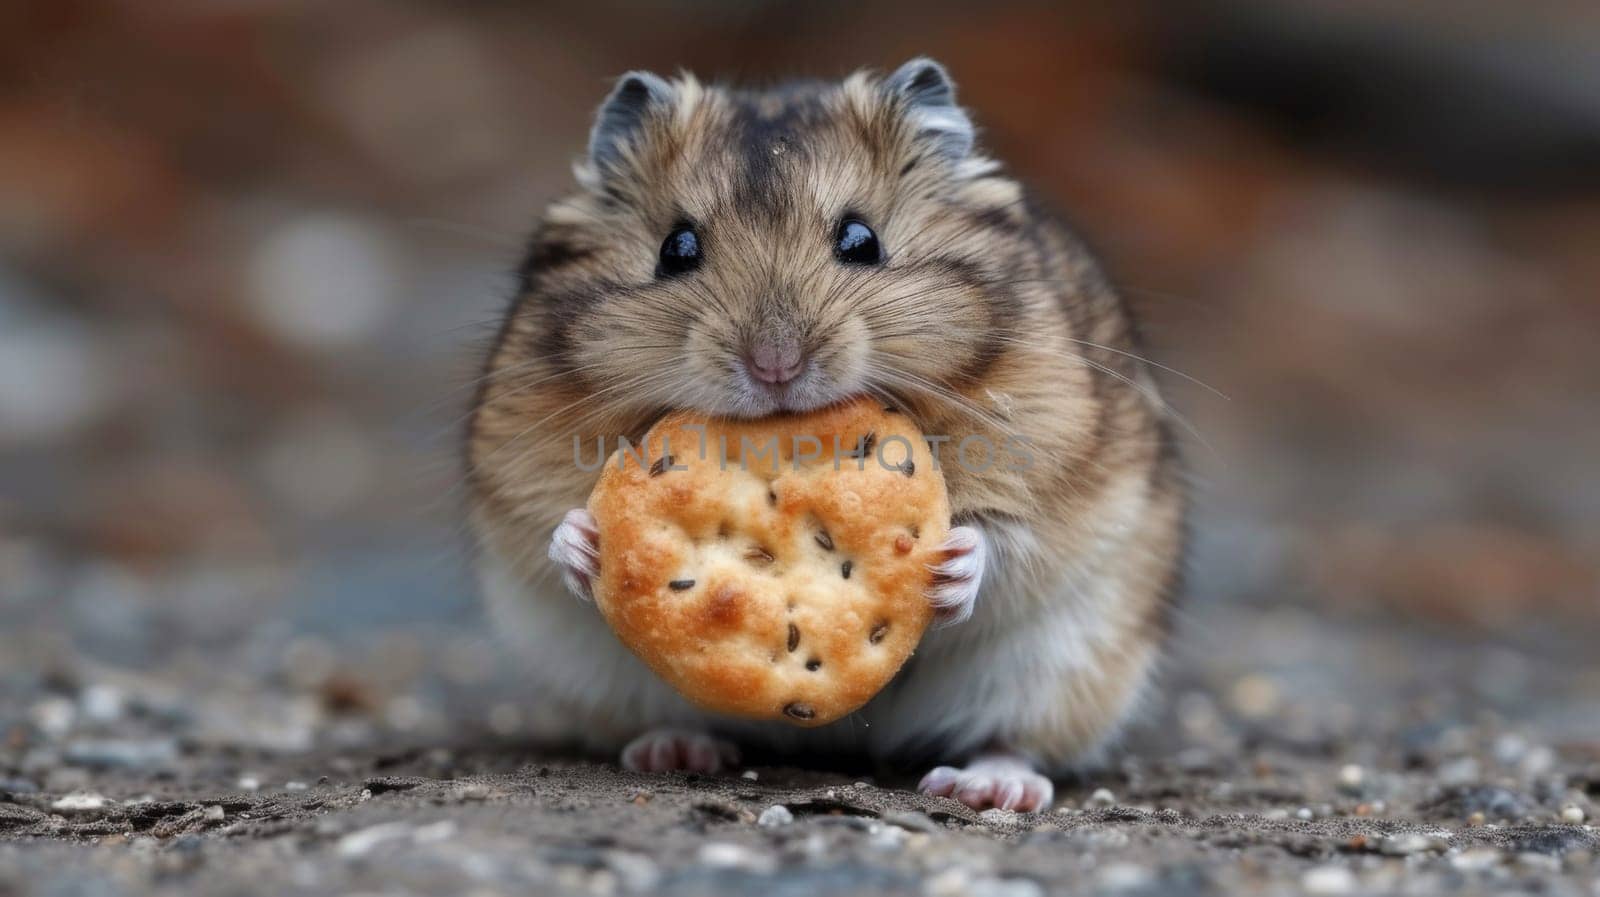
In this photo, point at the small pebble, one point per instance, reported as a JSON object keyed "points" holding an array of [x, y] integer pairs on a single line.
{"points": [[723, 855], [1407, 844], [887, 837], [120, 753], [1254, 696], [1510, 748], [16, 786], [1476, 859], [54, 716], [1539, 761], [1304, 813], [215, 813], [505, 718], [637, 872], [1123, 877], [911, 819], [997, 816], [1538, 862], [81, 802], [1102, 797], [1572, 814], [1460, 771], [960, 883], [102, 703], [249, 783], [1328, 880], [1351, 776], [815, 846], [750, 775], [774, 816], [364, 840], [434, 832], [952, 882]]}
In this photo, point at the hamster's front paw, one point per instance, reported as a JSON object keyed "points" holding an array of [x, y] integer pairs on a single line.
{"points": [[678, 750], [1003, 781], [575, 548], [956, 579]]}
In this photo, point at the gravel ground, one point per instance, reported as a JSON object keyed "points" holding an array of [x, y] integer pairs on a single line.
{"points": [[1312, 755], [243, 294]]}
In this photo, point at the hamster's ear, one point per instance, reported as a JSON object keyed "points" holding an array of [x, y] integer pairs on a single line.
{"points": [[928, 98], [622, 116]]}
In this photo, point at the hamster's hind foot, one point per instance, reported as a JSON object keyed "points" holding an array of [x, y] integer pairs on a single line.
{"points": [[1000, 781], [679, 750]]}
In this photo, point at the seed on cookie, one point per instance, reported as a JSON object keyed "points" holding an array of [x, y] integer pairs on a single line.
{"points": [[878, 632], [799, 710], [825, 540], [866, 445], [814, 664], [845, 567], [660, 466], [680, 585], [794, 636], [758, 556]]}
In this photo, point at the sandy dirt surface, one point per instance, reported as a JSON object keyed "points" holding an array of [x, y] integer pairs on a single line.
{"points": [[1291, 754]]}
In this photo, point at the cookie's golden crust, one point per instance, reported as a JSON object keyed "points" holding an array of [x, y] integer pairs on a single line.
{"points": [[765, 580]]}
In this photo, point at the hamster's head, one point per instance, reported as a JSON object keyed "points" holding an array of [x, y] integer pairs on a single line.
{"points": [[741, 253]]}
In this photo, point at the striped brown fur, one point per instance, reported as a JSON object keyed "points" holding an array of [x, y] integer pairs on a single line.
{"points": [[988, 318]]}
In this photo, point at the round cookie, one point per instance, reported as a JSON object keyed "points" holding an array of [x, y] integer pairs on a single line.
{"points": [[773, 568]]}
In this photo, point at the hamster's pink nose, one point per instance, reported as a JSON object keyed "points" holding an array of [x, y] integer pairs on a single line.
{"points": [[775, 363]]}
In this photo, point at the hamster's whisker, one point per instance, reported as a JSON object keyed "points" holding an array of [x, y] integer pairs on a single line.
{"points": [[519, 388], [1144, 390], [971, 407], [1155, 364], [944, 392], [636, 380]]}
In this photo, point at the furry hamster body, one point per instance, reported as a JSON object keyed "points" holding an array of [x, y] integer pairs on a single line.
{"points": [[745, 252]]}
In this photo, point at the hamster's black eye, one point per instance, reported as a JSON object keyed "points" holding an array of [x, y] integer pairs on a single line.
{"points": [[680, 252], [856, 244]]}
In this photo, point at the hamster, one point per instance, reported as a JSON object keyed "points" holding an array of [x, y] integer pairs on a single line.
{"points": [[748, 252]]}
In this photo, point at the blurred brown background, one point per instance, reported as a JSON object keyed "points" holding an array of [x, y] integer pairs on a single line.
{"points": [[250, 252]]}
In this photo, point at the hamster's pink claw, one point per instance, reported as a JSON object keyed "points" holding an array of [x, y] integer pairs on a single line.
{"points": [[956, 579], [679, 750], [999, 781], [575, 548]]}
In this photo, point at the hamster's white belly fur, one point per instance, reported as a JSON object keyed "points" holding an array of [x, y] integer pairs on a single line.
{"points": [[966, 685]]}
